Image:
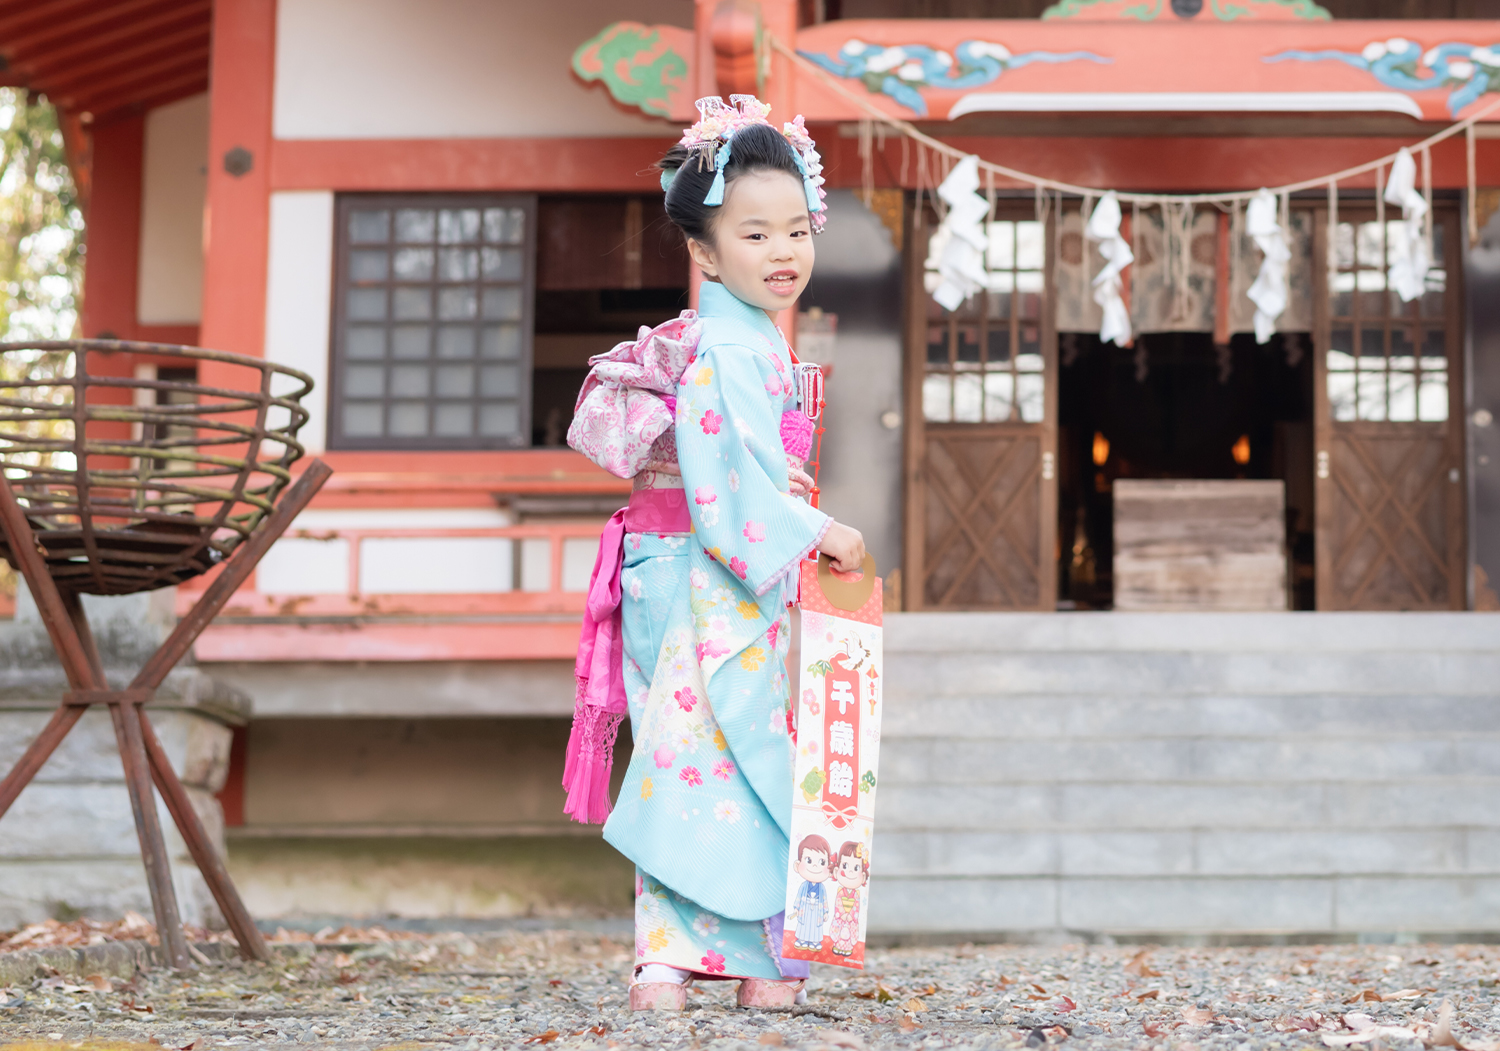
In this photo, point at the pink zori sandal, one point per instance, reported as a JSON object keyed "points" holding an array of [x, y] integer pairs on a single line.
{"points": [[659, 996], [765, 994]]}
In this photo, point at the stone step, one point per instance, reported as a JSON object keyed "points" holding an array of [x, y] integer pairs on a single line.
{"points": [[1132, 907], [1265, 805], [1123, 716], [1201, 633], [1204, 852], [912, 675], [1203, 758]]}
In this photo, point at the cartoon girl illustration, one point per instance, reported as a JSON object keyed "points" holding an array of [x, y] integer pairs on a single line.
{"points": [[852, 873], [812, 904]]}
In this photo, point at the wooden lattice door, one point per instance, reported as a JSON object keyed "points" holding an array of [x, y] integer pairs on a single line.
{"points": [[1389, 410], [981, 387]]}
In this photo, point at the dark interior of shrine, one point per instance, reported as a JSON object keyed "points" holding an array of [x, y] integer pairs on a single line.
{"points": [[1174, 405]]}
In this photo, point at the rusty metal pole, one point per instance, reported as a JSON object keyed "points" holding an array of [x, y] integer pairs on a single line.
{"points": [[241, 564], [124, 710]]}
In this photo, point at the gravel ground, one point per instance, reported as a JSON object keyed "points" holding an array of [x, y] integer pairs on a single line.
{"points": [[569, 989]]}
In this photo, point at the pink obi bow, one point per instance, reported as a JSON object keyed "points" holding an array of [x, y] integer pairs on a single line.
{"points": [[599, 704], [620, 410]]}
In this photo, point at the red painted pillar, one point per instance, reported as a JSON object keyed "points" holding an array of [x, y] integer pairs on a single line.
{"points": [[114, 229], [237, 223]]}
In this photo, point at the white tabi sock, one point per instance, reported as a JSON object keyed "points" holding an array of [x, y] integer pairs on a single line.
{"points": [[660, 972]]}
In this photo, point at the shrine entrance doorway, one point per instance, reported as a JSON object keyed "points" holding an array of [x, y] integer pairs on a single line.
{"points": [[1389, 410], [1176, 406], [981, 412]]}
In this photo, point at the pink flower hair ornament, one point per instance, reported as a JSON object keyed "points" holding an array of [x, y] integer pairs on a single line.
{"points": [[714, 133]]}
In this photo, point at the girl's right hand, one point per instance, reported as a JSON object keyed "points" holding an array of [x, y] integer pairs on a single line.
{"points": [[844, 546]]}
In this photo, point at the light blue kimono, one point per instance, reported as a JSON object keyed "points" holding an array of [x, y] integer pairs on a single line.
{"points": [[706, 805]]}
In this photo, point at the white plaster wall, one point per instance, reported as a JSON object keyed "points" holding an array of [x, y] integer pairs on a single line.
{"points": [[379, 69], [392, 565], [299, 297], [174, 179]]}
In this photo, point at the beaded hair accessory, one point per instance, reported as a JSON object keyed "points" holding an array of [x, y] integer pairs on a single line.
{"points": [[713, 138]]}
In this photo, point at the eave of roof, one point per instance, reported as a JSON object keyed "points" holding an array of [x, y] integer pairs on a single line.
{"points": [[98, 60]]}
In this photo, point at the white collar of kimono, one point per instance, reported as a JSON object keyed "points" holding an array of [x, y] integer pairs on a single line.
{"points": [[714, 300]]}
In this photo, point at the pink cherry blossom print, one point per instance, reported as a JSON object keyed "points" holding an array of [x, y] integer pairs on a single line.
{"points": [[755, 532], [686, 698], [724, 769], [771, 633], [734, 480], [691, 775], [704, 494], [737, 564], [710, 422], [712, 962], [665, 757], [711, 649]]}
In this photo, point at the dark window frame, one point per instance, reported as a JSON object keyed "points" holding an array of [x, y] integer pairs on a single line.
{"points": [[347, 203]]}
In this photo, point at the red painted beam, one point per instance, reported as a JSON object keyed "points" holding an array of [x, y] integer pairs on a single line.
{"points": [[466, 164]]}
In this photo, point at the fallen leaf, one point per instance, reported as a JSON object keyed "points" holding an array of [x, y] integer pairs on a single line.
{"points": [[99, 983], [908, 1023], [1442, 1033], [1066, 1004], [1006, 981], [1151, 1029], [599, 1030], [1038, 988], [928, 991], [554, 982], [772, 1039], [1153, 994], [914, 1005], [1364, 996], [839, 1038], [883, 993], [1139, 967], [1401, 994], [1197, 1015], [543, 1038], [190, 1047]]}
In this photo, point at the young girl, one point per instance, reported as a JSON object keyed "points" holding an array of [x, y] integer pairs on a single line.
{"points": [[712, 544]]}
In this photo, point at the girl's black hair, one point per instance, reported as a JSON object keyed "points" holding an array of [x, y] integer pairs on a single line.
{"points": [[757, 148]]}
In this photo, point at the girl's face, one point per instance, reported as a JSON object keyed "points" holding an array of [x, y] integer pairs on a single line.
{"points": [[762, 250], [851, 872]]}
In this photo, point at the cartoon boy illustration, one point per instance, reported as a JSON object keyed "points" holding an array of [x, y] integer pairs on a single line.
{"points": [[852, 874], [811, 907]]}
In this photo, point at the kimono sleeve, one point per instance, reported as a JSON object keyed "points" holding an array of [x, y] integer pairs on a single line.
{"points": [[734, 468]]}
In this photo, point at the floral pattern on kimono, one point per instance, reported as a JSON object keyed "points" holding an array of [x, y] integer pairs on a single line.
{"points": [[845, 928], [705, 807]]}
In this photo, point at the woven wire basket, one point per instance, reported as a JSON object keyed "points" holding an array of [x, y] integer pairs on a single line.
{"points": [[134, 482]]}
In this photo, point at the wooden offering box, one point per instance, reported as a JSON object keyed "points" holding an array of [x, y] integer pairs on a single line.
{"points": [[1200, 545]]}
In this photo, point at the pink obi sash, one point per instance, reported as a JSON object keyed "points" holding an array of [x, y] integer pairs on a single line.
{"points": [[599, 704], [658, 511]]}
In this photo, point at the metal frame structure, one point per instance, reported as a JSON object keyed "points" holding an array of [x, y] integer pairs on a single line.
{"points": [[142, 520]]}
